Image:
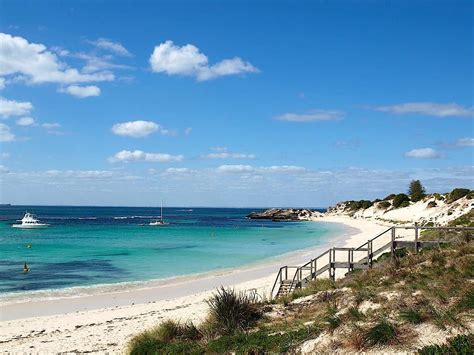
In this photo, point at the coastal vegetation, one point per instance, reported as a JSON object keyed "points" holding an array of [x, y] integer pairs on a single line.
{"points": [[401, 304], [416, 195], [416, 191]]}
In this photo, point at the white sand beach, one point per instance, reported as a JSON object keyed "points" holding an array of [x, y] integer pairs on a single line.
{"points": [[105, 322]]}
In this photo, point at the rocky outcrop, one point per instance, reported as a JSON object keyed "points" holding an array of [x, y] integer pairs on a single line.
{"points": [[285, 214]]}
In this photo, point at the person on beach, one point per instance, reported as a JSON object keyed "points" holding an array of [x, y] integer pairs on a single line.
{"points": [[26, 269]]}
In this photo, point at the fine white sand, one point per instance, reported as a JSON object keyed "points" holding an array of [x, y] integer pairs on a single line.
{"points": [[106, 321]]}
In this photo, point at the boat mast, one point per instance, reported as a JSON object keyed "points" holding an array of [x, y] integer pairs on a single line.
{"points": [[161, 211]]}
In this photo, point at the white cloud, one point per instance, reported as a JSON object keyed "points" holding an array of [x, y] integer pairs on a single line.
{"points": [[5, 134], [51, 125], [282, 169], [179, 170], [3, 169], [222, 153], [138, 155], [81, 174], [189, 61], [465, 142], [260, 169], [429, 109], [235, 168], [188, 130], [423, 153], [3, 83], [95, 63], [25, 121], [14, 108], [227, 155], [82, 91], [114, 47], [311, 116], [34, 63], [138, 129]]}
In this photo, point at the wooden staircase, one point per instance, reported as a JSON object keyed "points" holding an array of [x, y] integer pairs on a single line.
{"points": [[290, 278]]}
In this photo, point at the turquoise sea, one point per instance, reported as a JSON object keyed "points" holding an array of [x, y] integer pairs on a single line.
{"points": [[86, 246]]}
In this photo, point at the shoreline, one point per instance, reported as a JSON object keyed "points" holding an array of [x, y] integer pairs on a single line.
{"points": [[116, 292], [106, 321]]}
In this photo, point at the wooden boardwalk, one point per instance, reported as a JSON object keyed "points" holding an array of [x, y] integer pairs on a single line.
{"points": [[290, 278]]}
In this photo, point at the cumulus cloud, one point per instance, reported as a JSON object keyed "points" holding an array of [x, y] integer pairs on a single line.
{"points": [[14, 108], [311, 116], [126, 156], [5, 134], [114, 47], [423, 153], [138, 129], [25, 121], [34, 63], [465, 142], [189, 61], [82, 91], [428, 109]]}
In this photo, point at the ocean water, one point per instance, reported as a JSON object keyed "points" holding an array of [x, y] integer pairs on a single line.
{"points": [[86, 246]]}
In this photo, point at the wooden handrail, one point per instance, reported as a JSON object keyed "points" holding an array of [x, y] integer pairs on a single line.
{"points": [[379, 235], [349, 264]]}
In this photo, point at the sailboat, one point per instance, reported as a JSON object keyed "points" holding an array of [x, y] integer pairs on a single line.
{"points": [[160, 221]]}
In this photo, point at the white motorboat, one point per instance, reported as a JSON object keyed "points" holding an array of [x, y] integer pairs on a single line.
{"points": [[30, 221], [160, 221]]}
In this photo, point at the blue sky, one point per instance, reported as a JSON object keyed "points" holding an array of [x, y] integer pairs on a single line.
{"points": [[237, 103]]}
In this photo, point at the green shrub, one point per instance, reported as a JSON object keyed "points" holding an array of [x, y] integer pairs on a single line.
{"points": [[261, 342], [169, 337], [384, 204], [411, 315], [432, 204], [331, 318], [466, 220], [355, 314], [382, 333], [390, 197], [400, 199], [404, 204], [461, 344], [456, 194], [231, 311], [357, 205]]}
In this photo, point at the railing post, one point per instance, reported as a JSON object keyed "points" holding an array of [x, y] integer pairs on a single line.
{"points": [[352, 259], [333, 264], [392, 247], [416, 238], [369, 253], [286, 272], [330, 263], [348, 261], [315, 268]]}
